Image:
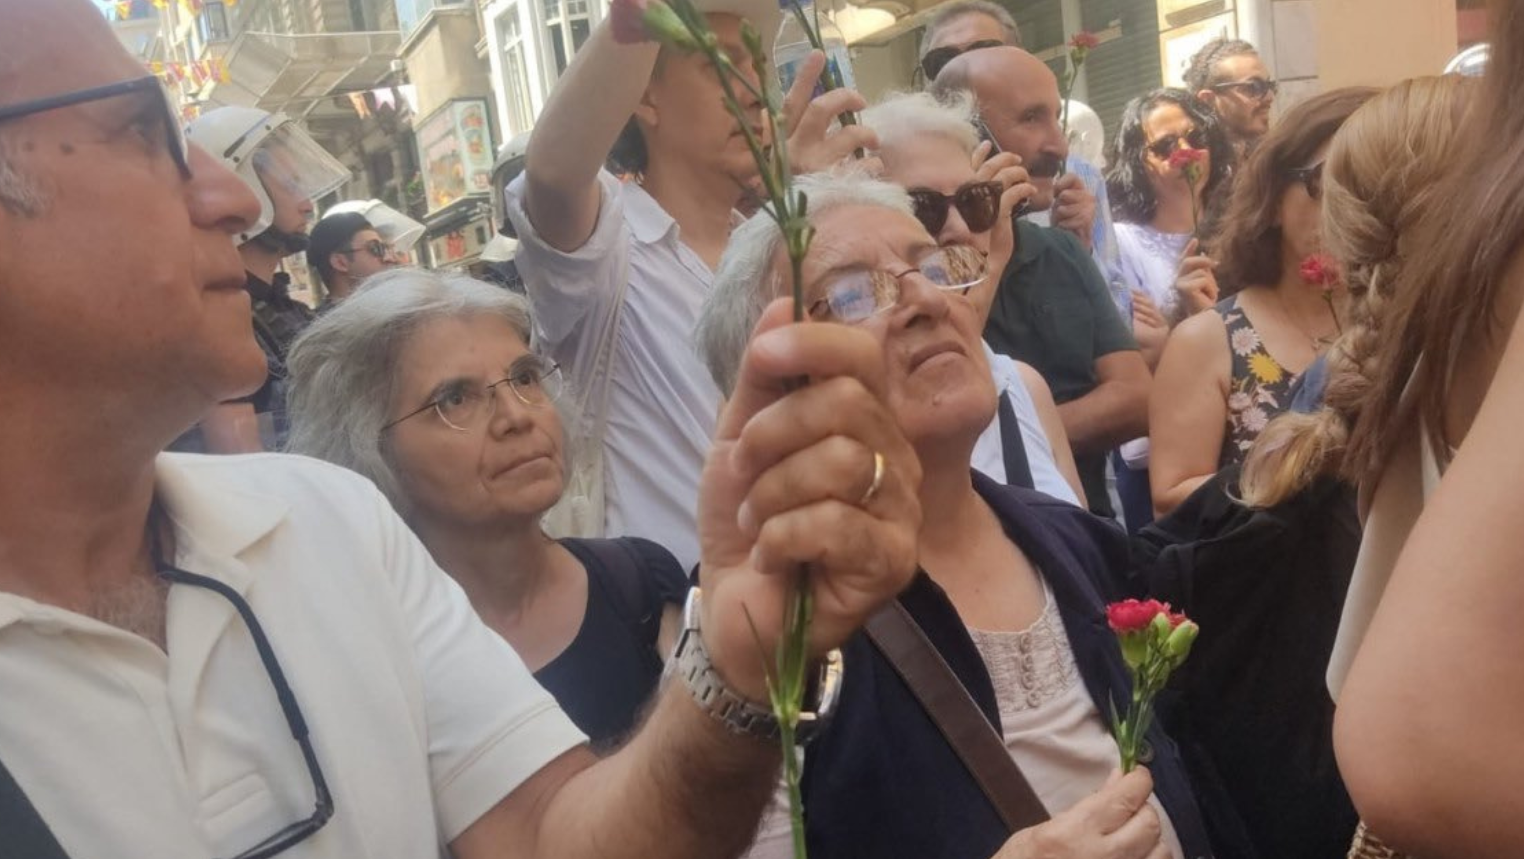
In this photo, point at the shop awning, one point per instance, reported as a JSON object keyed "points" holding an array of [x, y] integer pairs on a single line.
{"points": [[277, 71]]}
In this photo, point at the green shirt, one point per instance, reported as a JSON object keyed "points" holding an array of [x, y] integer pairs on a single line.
{"points": [[1053, 311]]}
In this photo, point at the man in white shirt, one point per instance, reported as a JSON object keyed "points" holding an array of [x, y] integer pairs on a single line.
{"points": [[252, 655], [617, 271]]}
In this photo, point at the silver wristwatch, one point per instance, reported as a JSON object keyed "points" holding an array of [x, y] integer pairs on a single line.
{"points": [[692, 665]]}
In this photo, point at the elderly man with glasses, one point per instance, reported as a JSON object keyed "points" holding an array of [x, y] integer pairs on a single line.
{"points": [[245, 655]]}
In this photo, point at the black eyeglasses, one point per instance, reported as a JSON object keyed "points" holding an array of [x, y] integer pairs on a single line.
{"points": [[379, 249], [174, 133], [1254, 88], [1164, 146], [935, 60], [323, 803], [977, 203], [1310, 177]]}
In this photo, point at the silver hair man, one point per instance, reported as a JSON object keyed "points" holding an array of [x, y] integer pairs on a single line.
{"points": [[901, 116], [748, 279], [961, 8], [344, 366]]}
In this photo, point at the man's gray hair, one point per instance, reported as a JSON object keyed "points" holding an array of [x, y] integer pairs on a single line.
{"points": [[747, 280], [344, 368], [961, 8], [902, 116]]}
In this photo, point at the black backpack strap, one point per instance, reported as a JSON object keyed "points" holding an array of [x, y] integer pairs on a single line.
{"points": [[622, 571], [1015, 458], [23, 832]]}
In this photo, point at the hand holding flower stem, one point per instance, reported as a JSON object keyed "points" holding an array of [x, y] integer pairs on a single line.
{"points": [[679, 25]]}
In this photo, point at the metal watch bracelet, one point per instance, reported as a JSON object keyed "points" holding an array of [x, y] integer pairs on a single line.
{"points": [[692, 664]]}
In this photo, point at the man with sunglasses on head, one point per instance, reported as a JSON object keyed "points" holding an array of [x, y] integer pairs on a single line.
{"points": [[252, 656], [345, 249], [1053, 310], [1229, 77], [287, 171]]}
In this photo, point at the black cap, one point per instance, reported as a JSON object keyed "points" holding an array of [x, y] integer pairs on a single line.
{"points": [[333, 233]]}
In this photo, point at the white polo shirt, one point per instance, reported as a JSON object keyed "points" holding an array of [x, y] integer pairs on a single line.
{"points": [[421, 717], [634, 275]]}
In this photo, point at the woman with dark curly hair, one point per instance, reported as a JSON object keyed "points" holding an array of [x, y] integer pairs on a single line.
{"points": [[1224, 375], [1155, 212]]}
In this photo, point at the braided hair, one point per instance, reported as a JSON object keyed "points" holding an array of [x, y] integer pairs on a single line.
{"points": [[1201, 72], [1391, 149]]}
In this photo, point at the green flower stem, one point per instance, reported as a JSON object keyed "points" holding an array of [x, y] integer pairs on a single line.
{"points": [[787, 208]]}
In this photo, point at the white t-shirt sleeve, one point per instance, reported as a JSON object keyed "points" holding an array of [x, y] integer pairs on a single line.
{"points": [[572, 291], [489, 724]]}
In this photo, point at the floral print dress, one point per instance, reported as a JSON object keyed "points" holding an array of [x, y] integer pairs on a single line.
{"points": [[1260, 387]]}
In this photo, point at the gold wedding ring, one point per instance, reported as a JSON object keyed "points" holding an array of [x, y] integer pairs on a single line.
{"points": [[875, 481]]}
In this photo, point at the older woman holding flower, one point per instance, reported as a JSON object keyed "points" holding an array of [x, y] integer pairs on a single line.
{"points": [[1014, 585], [965, 199], [427, 384]]}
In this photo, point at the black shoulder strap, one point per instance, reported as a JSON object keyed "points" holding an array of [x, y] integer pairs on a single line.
{"points": [[23, 832], [1015, 458], [623, 577]]}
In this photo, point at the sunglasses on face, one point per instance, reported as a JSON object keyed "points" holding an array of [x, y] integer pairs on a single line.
{"points": [[379, 249], [1310, 177], [1164, 146], [977, 203], [934, 61], [174, 133], [1253, 88], [855, 296]]}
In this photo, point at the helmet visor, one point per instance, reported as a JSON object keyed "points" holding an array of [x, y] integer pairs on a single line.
{"points": [[289, 162]]}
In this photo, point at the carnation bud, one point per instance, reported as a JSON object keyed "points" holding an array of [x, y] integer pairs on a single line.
{"points": [[1179, 641]]}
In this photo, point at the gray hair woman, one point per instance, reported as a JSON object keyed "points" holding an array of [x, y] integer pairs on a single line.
{"points": [[1015, 583], [428, 385], [962, 198]]}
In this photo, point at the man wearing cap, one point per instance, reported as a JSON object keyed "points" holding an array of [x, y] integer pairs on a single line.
{"points": [[286, 170], [345, 249], [617, 271]]}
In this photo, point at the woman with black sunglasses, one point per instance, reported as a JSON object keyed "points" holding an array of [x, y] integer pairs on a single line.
{"points": [[964, 198], [1158, 221]]}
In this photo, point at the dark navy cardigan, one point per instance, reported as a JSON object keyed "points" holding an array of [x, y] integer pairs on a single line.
{"points": [[881, 781]]}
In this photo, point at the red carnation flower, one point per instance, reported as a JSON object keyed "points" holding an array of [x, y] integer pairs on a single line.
{"points": [[1319, 270], [1084, 41], [1187, 157], [1134, 615]]}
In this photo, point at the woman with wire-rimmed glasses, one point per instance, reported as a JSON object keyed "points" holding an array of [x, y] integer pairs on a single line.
{"points": [[428, 385]]}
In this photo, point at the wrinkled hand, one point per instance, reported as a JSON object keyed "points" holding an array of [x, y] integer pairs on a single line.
{"points": [[781, 487], [1006, 168], [1114, 823], [1074, 208], [1151, 327], [1196, 279], [813, 146]]}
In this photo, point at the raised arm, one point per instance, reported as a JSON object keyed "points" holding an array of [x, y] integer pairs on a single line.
{"points": [[592, 102]]}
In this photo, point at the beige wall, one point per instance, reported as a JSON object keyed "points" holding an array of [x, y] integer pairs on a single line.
{"points": [[442, 59], [1380, 42]]}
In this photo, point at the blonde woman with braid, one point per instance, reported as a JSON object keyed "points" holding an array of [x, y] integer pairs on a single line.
{"points": [[1427, 669]]}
